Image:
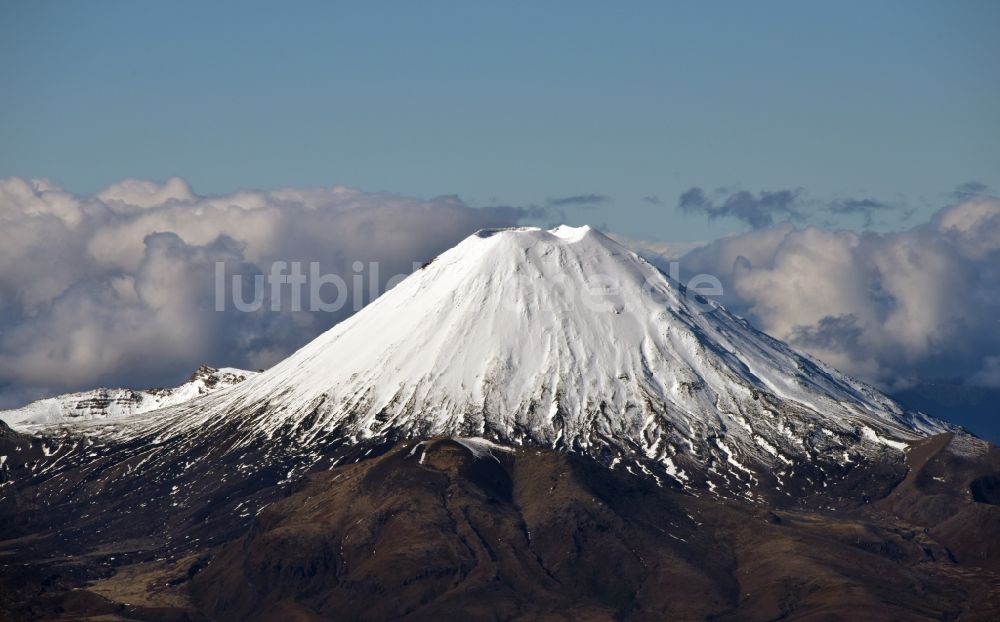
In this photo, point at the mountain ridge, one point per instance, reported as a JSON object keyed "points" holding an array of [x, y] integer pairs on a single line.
{"points": [[113, 403]]}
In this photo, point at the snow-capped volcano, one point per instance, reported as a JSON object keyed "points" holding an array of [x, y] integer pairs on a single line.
{"points": [[561, 338]]}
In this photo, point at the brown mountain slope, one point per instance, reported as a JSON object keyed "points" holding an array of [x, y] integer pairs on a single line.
{"points": [[463, 529], [432, 531], [953, 489]]}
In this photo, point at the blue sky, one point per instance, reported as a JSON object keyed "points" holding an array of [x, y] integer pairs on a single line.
{"points": [[511, 104]]}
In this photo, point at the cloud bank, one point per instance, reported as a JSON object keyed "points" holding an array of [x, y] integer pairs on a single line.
{"points": [[117, 288], [890, 308], [579, 200]]}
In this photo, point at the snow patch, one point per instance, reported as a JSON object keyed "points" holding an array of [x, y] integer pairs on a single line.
{"points": [[873, 436], [673, 471], [481, 447]]}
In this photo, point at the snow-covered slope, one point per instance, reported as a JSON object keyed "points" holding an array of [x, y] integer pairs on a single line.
{"points": [[117, 403], [561, 338]]}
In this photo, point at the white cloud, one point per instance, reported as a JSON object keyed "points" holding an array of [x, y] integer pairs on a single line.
{"points": [[135, 194], [118, 287], [889, 308]]}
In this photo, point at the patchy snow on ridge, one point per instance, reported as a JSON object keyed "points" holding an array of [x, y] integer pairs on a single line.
{"points": [[117, 403]]}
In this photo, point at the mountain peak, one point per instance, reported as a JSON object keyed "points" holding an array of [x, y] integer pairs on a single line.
{"points": [[560, 338], [564, 232]]}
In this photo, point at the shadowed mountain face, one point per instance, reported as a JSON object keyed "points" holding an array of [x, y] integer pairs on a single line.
{"points": [[466, 529]]}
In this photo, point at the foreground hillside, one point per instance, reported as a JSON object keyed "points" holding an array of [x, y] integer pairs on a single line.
{"points": [[466, 529]]}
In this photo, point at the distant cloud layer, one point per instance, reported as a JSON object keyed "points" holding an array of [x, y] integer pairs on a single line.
{"points": [[970, 189], [765, 208], [578, 200], [757, 210], [867, 208], [118, 287], [890, 308]]}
